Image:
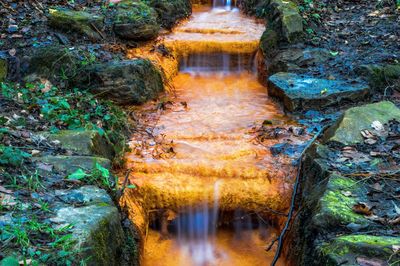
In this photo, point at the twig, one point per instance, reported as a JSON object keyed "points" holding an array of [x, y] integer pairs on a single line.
{"points": [[293, 200], [98, 31], [272, 244], [126, 180]]}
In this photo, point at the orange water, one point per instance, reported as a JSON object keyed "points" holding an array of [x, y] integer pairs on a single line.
{"points": [[198, 146]]}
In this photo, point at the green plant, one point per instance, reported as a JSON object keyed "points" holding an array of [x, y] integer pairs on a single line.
{"points": [[98, 175], [12, 156], [73, 109]]}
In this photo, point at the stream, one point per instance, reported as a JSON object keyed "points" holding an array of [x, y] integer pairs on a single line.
{"points": [[201, 175]]}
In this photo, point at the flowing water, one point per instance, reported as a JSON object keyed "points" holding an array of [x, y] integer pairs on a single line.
{"points": [[196, 160]]}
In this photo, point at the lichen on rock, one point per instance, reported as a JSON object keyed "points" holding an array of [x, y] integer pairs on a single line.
{"points": [[79, 21], [125, 82], [135, 21], [348, 128]]}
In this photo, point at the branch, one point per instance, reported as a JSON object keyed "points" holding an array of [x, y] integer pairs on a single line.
{"points": [[293, 200]]}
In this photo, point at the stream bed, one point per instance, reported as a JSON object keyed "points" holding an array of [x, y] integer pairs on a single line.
{"points": [[203, 178]]}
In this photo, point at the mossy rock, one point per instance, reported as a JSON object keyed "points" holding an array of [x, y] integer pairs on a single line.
{"points": [[135, 21], [77, 21], [286, 20], [381, 76], [3, 69], [96, 224], [269, 43], [70, 164], [170, 11], [53, 62], [87, 142], [349, 249], [348, 129], [125, 82], [335, 208]]}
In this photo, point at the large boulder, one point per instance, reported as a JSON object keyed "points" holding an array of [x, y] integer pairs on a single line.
{"points": [[302, 92], [125, 82], [348, 129], [96, 225], [89, 24], [135, 21], [171, 11]]}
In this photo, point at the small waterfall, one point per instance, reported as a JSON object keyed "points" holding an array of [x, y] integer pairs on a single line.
{"points": [[226, 4], [217, 62], [196, 228]]}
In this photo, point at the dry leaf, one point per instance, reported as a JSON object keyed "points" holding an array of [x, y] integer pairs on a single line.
{"points": [[362, 208], [370, 262], [377, 186], [377, 126], [347, 193], [396, 248]]}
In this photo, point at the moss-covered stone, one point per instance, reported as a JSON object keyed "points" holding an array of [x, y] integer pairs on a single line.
{"points": [[269, 42], [3, 69], [381, 76], [79, 21], [125, 82], [170, 11], [348, 129], [53, 62], [70, 164], [345, 250], [335, 208], [87, 142], [96, 225], [286, 20], [135, 21]]}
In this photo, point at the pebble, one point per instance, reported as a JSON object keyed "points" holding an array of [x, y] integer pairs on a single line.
{"points": [[12, 28]]}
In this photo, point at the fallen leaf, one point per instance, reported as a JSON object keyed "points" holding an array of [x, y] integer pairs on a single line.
{"points": [[377, 186], [377, 126], [370, 262], [396, 248], [396, 208], [362, 208], [347, 193]]}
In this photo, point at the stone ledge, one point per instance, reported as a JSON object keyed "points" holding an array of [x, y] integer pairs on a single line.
{"points": [[302, 92]]}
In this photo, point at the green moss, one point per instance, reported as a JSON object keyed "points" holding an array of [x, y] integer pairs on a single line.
{"points": [[380, 241], [138, 12], [268, 42], [336, 208], [170, 11], [346, 249], [3, 69], [79, 21]]}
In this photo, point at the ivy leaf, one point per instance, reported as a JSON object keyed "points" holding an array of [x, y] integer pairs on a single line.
{"points": [[334, 53], [103, 171], [77, 175]]}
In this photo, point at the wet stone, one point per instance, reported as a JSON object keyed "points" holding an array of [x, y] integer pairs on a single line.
{"points": [[302, 92], [87, 142], [70, 164], [348, 129]]}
